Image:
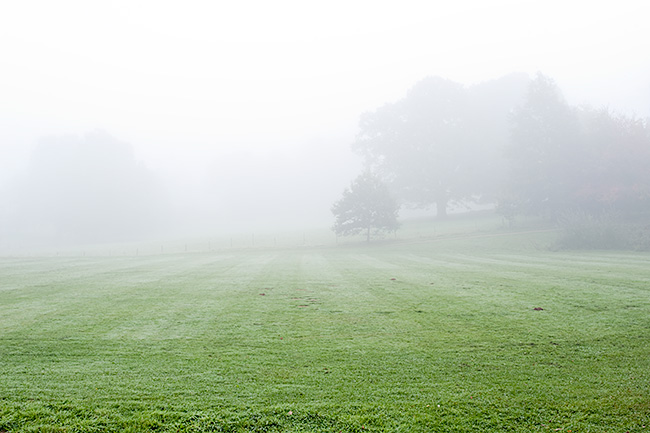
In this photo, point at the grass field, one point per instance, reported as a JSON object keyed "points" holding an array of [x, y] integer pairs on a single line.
{"points": [[464, 332]]}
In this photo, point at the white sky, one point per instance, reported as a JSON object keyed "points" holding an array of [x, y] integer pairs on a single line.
{"points": [[186, 81]]}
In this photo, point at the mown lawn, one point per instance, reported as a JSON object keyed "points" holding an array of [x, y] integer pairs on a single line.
{"points": [[485, 332]]}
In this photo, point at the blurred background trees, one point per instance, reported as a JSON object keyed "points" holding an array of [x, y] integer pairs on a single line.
{"points": [[565, 158], [513, 142], [443, 143], [84, 190]]}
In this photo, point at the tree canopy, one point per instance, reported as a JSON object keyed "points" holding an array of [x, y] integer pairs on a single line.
{"points": [[544, 149], [616, 160], [442, 142], [366, 206], [85, 189], [566, 158]]}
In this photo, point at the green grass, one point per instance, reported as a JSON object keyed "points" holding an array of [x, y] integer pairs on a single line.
{"points": [[435, 333]]}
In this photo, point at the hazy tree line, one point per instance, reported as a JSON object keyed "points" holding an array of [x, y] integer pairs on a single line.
{"points": [[92, 188], [83, 190], [565, 158], [514, 142]]}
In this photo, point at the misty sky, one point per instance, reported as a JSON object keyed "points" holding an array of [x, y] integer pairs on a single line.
{"points": [[192, 83]]}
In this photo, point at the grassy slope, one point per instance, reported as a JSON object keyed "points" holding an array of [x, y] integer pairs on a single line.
{"points": [[427, 335]]}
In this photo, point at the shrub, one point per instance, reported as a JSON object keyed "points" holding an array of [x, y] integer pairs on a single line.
{"points": [[639, 237], [582, 230]]}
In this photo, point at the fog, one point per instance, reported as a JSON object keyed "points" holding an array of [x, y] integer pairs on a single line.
{"points": [[147, 120]]}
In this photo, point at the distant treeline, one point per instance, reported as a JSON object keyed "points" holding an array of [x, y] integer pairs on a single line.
{"points": [[512, 141], [85, 189]]}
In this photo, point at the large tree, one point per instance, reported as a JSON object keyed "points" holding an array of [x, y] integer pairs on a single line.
{"points": [[616, 161], [86, 189], [566, 158], [545, 152], [442, 143], [366, 207], [417, 143], [490, 106]]}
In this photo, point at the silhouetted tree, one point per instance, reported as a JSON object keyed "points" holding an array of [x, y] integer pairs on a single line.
{"points": [[490, 108], [418, 143], [546, 151], [442, 143], [616, 161], [565, 158], [86, 189], [366, 206]]}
